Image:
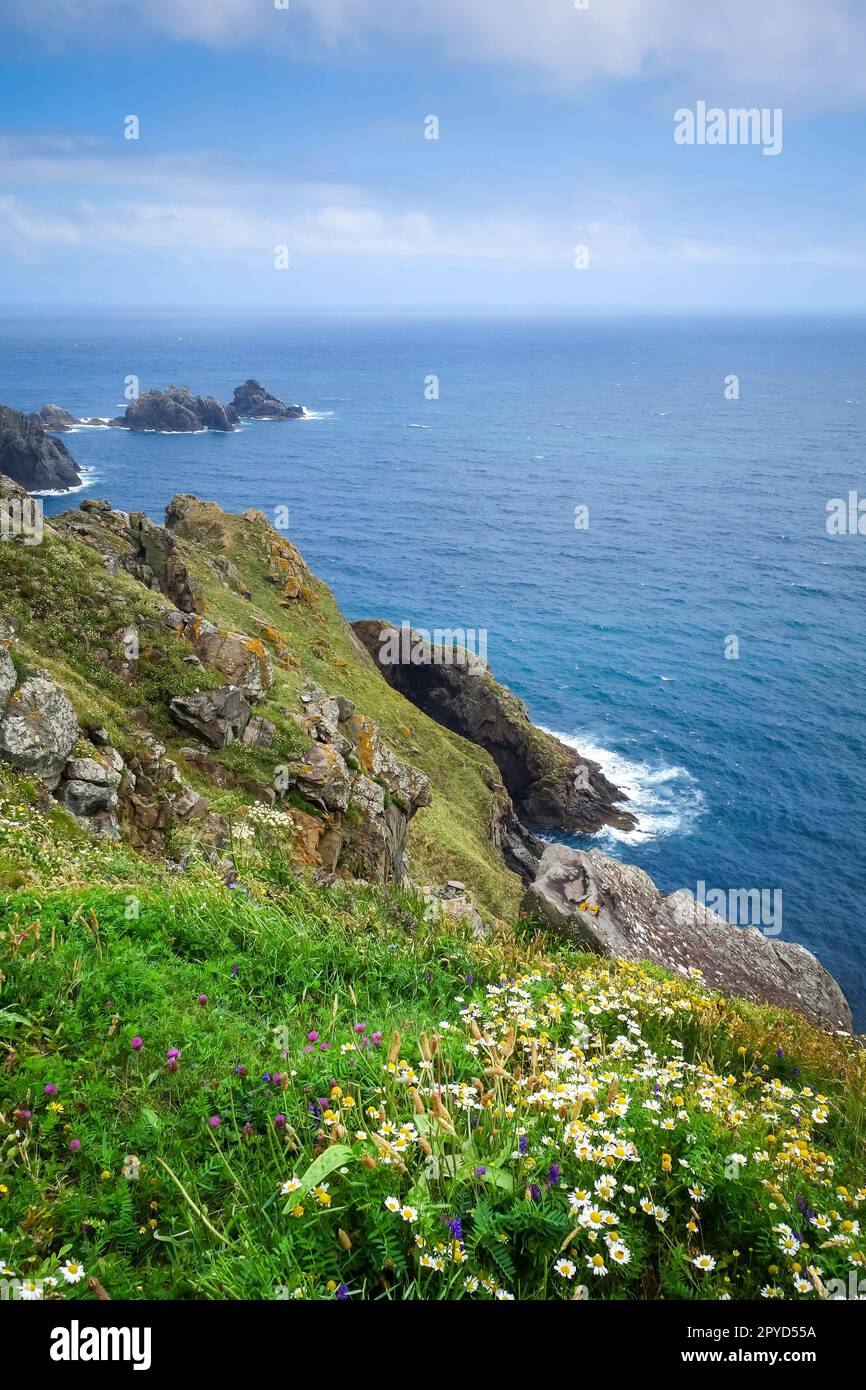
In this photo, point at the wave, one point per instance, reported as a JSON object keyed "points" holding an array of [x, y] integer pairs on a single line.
{"points": [[88, 477], [666, 800]]}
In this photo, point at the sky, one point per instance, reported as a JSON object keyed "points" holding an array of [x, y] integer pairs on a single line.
{"points": [[303, 125]]}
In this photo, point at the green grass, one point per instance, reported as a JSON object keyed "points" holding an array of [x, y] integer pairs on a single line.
{"points": [[158, 1202]]}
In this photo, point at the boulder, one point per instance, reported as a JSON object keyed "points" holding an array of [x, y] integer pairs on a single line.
{"points": [[550, 784], [54, 417], [253, 402], [219, 716], [323, 777], [38, 730], [32, 458], [177, 411], [259, 733], [242, 659], [616, 910], [89, 788]]}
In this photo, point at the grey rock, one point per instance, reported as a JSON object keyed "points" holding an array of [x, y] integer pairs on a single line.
{"points": [[32, 458], [38, 730], [219, 716], [253, 402], [177, 410], [549, 783], [323, 777], [8, 674], [636, 922], [259, 733]]}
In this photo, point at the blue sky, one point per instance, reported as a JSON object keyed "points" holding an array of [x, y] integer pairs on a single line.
{"points": [[304, 127]]}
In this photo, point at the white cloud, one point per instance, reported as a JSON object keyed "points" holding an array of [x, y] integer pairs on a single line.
{"points": [[768, 49]]}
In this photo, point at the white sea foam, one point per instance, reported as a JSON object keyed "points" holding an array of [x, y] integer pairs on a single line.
{"points": [[88, 477], [666, 800]]}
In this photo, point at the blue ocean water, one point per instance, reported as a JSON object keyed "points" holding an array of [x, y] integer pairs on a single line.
{"points": [[707, 520]]}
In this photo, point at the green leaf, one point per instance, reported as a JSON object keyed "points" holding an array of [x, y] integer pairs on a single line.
{"points": [[497, 1176], [332, 1158]]}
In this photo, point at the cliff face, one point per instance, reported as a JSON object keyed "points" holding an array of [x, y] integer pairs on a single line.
{"points": [[549, 783], [33, 458]]}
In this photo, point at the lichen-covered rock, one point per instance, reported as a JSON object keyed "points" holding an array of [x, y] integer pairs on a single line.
{"points": [[89, 789], [219, 716], [244, 660], [452, 902], [616, 910], [38, 730], [8, 674], [323, 777], [158, 565], [259, 733]]}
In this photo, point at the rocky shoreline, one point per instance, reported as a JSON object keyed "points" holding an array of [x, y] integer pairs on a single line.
{"points": [[32, 457]]}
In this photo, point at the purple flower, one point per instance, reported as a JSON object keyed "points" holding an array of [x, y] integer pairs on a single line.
{"points": [[136, 1044], [214, 1121], [480, 1171], [470, 979], [25, 1115], [51, 1089], [241, 1070], [248, 1129], [75, 1145], [535, 1192], [312, 1036], [524, 1144], [360, 1027], [456, 1228], [324, 1047], [553, 1175], [266, 1076], [235, 971], [377, 1039], [202, 999], [342, 1293], [280, 1121], [779, 1052]]}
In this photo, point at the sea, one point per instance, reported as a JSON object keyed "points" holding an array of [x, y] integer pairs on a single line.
{"points": [[633, 510]]}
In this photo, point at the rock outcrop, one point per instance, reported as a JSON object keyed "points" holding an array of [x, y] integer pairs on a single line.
{"points": [[55, 418], [219, 716], [549, 783], [616, 910], [365, 794], [38, 729], [89, 790], [253, 402], [243, 660], [32, 458], [177, 411]]}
